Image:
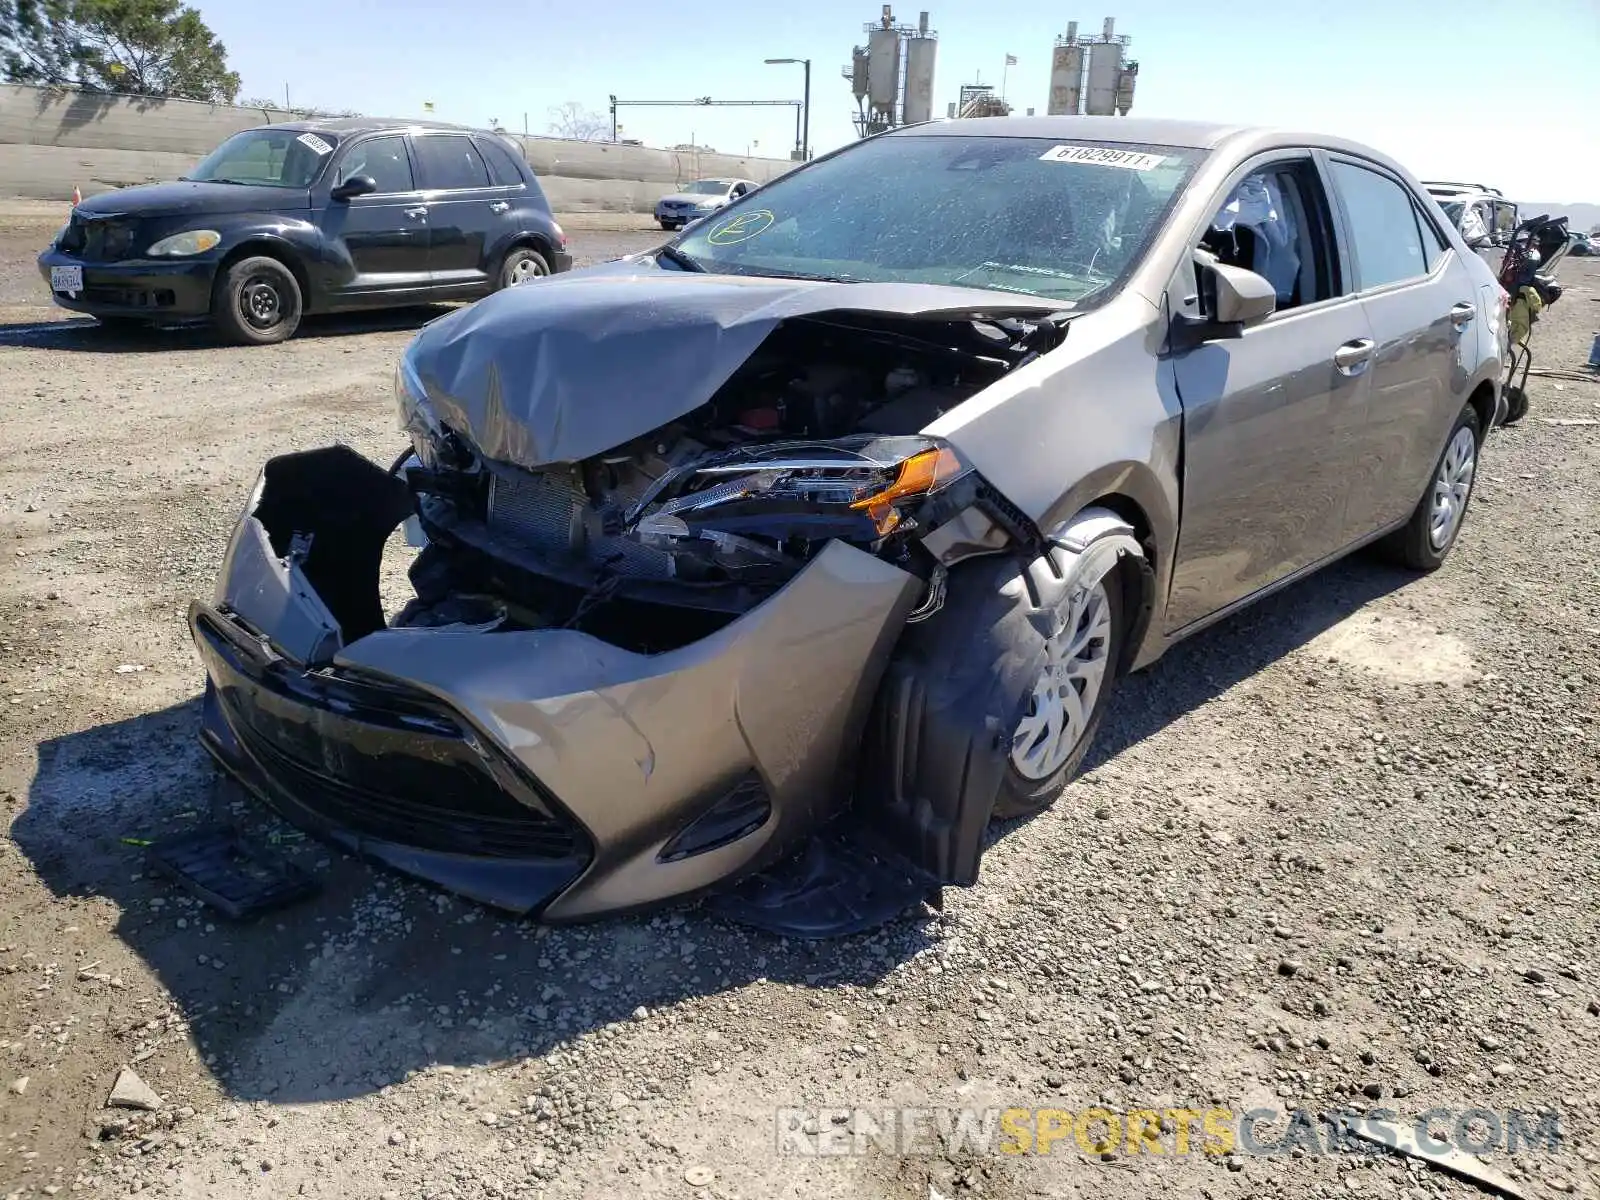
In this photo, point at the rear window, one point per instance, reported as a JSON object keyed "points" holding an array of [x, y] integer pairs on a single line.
{"points": [[502, 167], [449, 162]]}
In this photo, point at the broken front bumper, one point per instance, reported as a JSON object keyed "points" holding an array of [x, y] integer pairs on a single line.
{"points": [[537, 770]]}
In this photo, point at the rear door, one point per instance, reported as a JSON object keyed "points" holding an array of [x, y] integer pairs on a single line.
{"points": [[461, 221], [510, 203], [1421, 302], [385, 234], [1270, 419]]}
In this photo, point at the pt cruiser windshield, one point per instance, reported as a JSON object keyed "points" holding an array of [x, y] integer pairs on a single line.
{"points": [[1064, 221]]}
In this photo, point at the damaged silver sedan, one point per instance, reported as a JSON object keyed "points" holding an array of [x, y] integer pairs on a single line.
{"points": [[773, 565]]}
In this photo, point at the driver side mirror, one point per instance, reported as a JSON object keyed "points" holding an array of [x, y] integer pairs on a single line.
{"points": [[1230, 299], [356, 185], [1237, 296]]}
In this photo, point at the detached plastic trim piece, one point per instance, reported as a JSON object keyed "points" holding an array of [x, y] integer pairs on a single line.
{"points": [[239, 881]]}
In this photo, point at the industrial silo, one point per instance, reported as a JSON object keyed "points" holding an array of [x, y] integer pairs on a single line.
{"points": [[1066, 74], [883, 68], [858, 73], [1126, 79], [921, 48], [1105, 69]]}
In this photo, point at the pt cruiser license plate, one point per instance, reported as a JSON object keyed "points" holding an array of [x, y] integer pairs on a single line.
{"points": [[66, 279]]}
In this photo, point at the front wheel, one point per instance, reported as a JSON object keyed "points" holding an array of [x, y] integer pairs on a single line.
{"points": [[522, 265], [257, 302], [1424, 542]]}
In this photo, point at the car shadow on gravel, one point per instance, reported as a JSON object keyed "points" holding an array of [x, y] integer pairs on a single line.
{"points": [[376, 977], [86, 335], [1208, 664]]}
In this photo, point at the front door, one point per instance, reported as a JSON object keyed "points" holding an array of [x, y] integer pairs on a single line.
{"points": [[384, 234], [464, 209], [1270, 419]]}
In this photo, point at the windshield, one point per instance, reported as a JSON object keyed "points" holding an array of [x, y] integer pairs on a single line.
{"points": [[704, 187], [268, 157], [1064, 221]]}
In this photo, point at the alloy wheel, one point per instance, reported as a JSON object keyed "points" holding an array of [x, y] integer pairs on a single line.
{"points": [[1451, 488], [1067, 689], [526, 269]]}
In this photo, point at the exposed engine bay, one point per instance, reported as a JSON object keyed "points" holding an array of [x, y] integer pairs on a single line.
{"points": [[815, 437]]}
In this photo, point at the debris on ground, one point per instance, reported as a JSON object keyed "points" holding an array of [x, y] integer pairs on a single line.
{"points": [[130, 1091]]}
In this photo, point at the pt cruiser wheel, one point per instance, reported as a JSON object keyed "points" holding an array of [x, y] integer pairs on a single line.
{"points": [[257, 302]]}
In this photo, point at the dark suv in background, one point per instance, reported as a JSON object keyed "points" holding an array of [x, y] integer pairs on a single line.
{"points": [[308, 217]]}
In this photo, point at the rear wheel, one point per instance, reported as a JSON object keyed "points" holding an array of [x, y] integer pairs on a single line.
{"points": [[1424, 542], [522, 265], [257, 302]]}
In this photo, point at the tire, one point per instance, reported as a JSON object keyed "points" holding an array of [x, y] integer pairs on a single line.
{"points": [[1421, 544], [1516, 405], [667, 225], [257, 302], [954, 693], [520, 265]]}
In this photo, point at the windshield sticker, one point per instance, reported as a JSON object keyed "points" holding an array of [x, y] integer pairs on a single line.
{"points": [[313, 142], [741, 228], [1101, 156]]}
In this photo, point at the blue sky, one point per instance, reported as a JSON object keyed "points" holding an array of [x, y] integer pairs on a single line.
{"points": [[1494, 91]]}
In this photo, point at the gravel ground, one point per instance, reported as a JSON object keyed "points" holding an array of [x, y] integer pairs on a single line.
{"points": [[1338, 850]]}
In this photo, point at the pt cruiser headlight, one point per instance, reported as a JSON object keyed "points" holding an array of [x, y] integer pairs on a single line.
{"points": [[181, 245]]}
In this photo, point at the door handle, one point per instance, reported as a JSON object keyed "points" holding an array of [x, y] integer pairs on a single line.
{"points": [[498, 206], [1351, 358], [416, 214], [1461, 314]]}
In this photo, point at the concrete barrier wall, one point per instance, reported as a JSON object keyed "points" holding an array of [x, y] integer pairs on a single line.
{"points": [[54, 139]]}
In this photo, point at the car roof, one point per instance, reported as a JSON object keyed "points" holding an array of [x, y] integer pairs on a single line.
{"points": [[1240, 140], [347, 126]]}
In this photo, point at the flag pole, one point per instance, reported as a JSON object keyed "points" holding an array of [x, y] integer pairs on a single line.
{"points": [[1004, 71]]}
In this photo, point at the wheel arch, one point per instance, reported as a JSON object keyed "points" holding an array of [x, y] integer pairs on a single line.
{"points": [[1136, 576], [1485, 403], [532, 240], [257, 246]]}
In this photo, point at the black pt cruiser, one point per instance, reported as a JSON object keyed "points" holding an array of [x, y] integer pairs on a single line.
{"points": [[307, 217]]}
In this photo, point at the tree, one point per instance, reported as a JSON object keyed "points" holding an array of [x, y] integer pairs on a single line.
{"points": [[135, 47], [304, 112], [572, 120]]}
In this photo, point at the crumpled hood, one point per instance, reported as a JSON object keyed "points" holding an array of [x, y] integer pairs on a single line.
{"points": [[570, 366]]}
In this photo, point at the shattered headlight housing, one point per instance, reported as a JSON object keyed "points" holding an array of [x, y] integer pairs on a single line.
{"points": [[862, 488]]}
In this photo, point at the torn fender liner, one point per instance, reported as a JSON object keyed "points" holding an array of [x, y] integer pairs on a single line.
{"points": [[583, 362]]}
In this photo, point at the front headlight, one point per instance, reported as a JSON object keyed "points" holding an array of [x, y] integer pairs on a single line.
{"points": [[867, 485], [180, 245]]}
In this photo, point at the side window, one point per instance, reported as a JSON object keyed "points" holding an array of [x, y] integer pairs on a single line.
{"points": [[501, 165], [1274, 223], [383, 158], [1384, 239], [1433, 244], [449, 162]]}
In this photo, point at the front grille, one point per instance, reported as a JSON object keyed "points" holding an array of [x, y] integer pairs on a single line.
{"points": [[105, 240], [384, 763]]}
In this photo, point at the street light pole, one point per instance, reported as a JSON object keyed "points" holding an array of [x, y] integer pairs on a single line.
{"points": [[804, 131]]}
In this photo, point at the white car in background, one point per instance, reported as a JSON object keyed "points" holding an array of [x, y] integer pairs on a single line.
{"points": [[699, 199]]}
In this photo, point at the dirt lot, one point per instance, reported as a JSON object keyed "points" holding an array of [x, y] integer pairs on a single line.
{"points": [[1341, 850]]}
